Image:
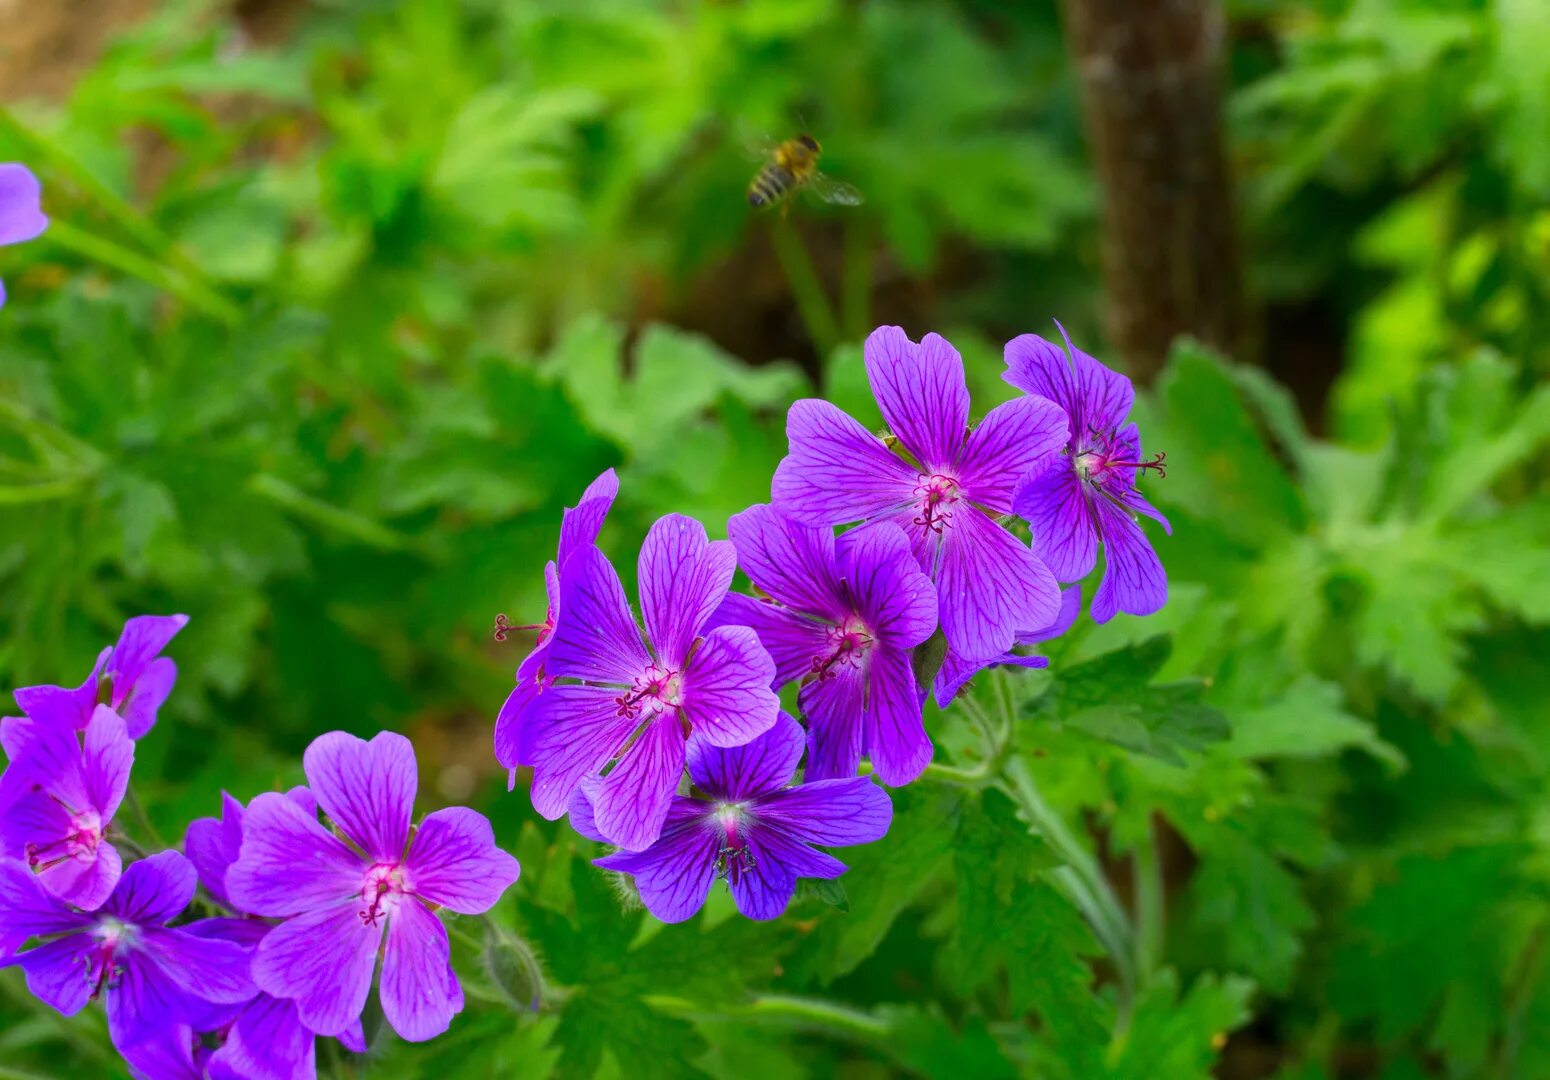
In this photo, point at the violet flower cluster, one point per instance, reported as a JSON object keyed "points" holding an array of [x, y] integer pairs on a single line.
{"points": [[664, 737], [310, 896]]}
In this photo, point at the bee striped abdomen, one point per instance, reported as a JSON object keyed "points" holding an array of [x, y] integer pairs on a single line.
{"points": [[770, 186]]}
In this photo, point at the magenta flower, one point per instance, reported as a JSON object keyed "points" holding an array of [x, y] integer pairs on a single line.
{"points": [[377, 881], [844, 617], [213, 844], [131, 676], [750, 829], [579, 528], [21, 209], [1087, 494], [956, 671], [58, 798], [945, 490], [149, 976], [619, 718]]}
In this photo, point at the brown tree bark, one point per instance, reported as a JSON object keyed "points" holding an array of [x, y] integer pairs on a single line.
{"points": [[1151, 76]]}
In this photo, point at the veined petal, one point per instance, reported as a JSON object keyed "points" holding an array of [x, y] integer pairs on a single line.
{"points": [[726, 688], [154, 890], [792, 563], [595, 637], [833, 708], [763, 887], [141, 641], [56, 972], [28, 909], [675, 874], [1058, 507], [891, 593], [1065, 618], [266, 1042], [1092, 395], [581, 524], [151, 691], [288, 863], [767, 763], [990, 586], [683, 578], [85, 881], [1015, 439], [894, 734], [922, 392], [417, 994], [792, 641], [208, 968], [838, 813], [366, 788], [571, 732], [1133, 578], [508, 724], [1137, 503], [106, 760], [21, 210], [455, 863], [323, 960], [169, 1055], [837, 472], [213, 844], [630, 804]]}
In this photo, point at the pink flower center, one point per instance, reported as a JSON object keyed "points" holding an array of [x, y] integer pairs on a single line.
{"points": [[79, 842], [848, 644], [1094, 461], [735, 858], [656, 686], [382, 892], [935, 497], [102, 968]]}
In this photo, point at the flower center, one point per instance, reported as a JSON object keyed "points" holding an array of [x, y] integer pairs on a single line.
{"points": [[103, 970], [1095, 459], [935, 496], [381, 892], [735, 858], [655, 686], [79, 842], [848, 644]]}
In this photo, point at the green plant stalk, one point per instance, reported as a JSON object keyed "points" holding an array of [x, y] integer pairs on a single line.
{"points": [[786, 1007], [806, 289], [856, 279], [1151, 912], [109, 253]]}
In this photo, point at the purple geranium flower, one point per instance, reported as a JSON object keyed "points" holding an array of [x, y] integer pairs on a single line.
{"points": [[749, 828], [633, 708], [1088, 494], [149, 976], [956, 671], [844, 616], [946, 494], [579, 527], [57, 799], [21, 209], [131, 676], [341, 897]]}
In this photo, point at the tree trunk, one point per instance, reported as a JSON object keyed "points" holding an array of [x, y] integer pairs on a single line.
{"points": [[1151, 77]]}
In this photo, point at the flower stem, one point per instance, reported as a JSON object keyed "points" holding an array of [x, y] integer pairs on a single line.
{"points": [[1151, 915], [802, 1010], [806, 289], [98, 249]]}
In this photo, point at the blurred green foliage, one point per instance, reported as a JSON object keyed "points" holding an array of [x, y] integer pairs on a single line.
{"points": [[327, 331]]}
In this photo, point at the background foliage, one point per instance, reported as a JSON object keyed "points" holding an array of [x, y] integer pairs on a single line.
{"points": [[342, 305]]}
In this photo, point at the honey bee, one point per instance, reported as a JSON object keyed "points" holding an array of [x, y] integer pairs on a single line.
{"points": [[791, 166]]}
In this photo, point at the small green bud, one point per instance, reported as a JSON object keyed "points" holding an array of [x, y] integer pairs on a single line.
{"points": [[513, 968]]}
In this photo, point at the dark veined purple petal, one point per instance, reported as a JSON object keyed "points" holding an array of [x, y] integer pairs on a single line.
{"points": [[792, 641], [508, 727], [1058, 507], [1015, 439], [581, 524], [582, 819], [1133, 577], [151, 691], [768, 879], [210, 969], [455, 863], [571, 732], [630, 804], [838, 813], [893, 596], [1093, 396], [323, 960], [28, 909], [1106, 394], [288, 862], [169, 1054], [107, 757], [266, 1042], [837, 472], [154, 890], [595, 636], [87, 881], [1065, 618], [922, 392], [152, 994], [835, 724], [417, 989], [60, 706], [990, 586], [1134, 500], [726, 688], [956, 671], [894, 734], [767, 763], [366, 788], [675, 874], [56, 972], [792, 563], [683, 579]]}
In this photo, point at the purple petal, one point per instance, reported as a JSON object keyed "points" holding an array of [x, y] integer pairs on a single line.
{"points": [[837, 472], [208, 968], [107, 758], [169, 1055], [323, 960], [833, 708], [990, 586], [213, 844], [839, 813], [675, 874], [288, 862], [571, 732], [790, 562], [1058, 507], [1137, 503], [726, 688], [580, 525], [1092, 395], [454, 862], [583, 820], [894, 733], [1133, 577], [151, 996], [62, 706], [151, 690], [417, 994], [28, 909], [763, 887], [88, 880], [683, 578], [890, 593], [154, 890], [267, 1042], [792, 641], [630, 804], [21, 210], [1016, 439], [56, 972], [1070, 608], [508, 724], [765, 764], [595, 637], [353, 1038], [922, 392], [366, 788]]}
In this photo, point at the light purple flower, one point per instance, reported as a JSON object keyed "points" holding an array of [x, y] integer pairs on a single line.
{"points": [[618, 719], [21, 208], [750, 829], [946, 494], [342, 898], [956, 671], [213, 844], [1087, 494], [149, 976], [131, 676], [842, 616], [58, 798]]}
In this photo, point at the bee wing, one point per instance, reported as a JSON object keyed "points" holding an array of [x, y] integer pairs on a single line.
{"points": [[758, 146], [834, 191]]}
